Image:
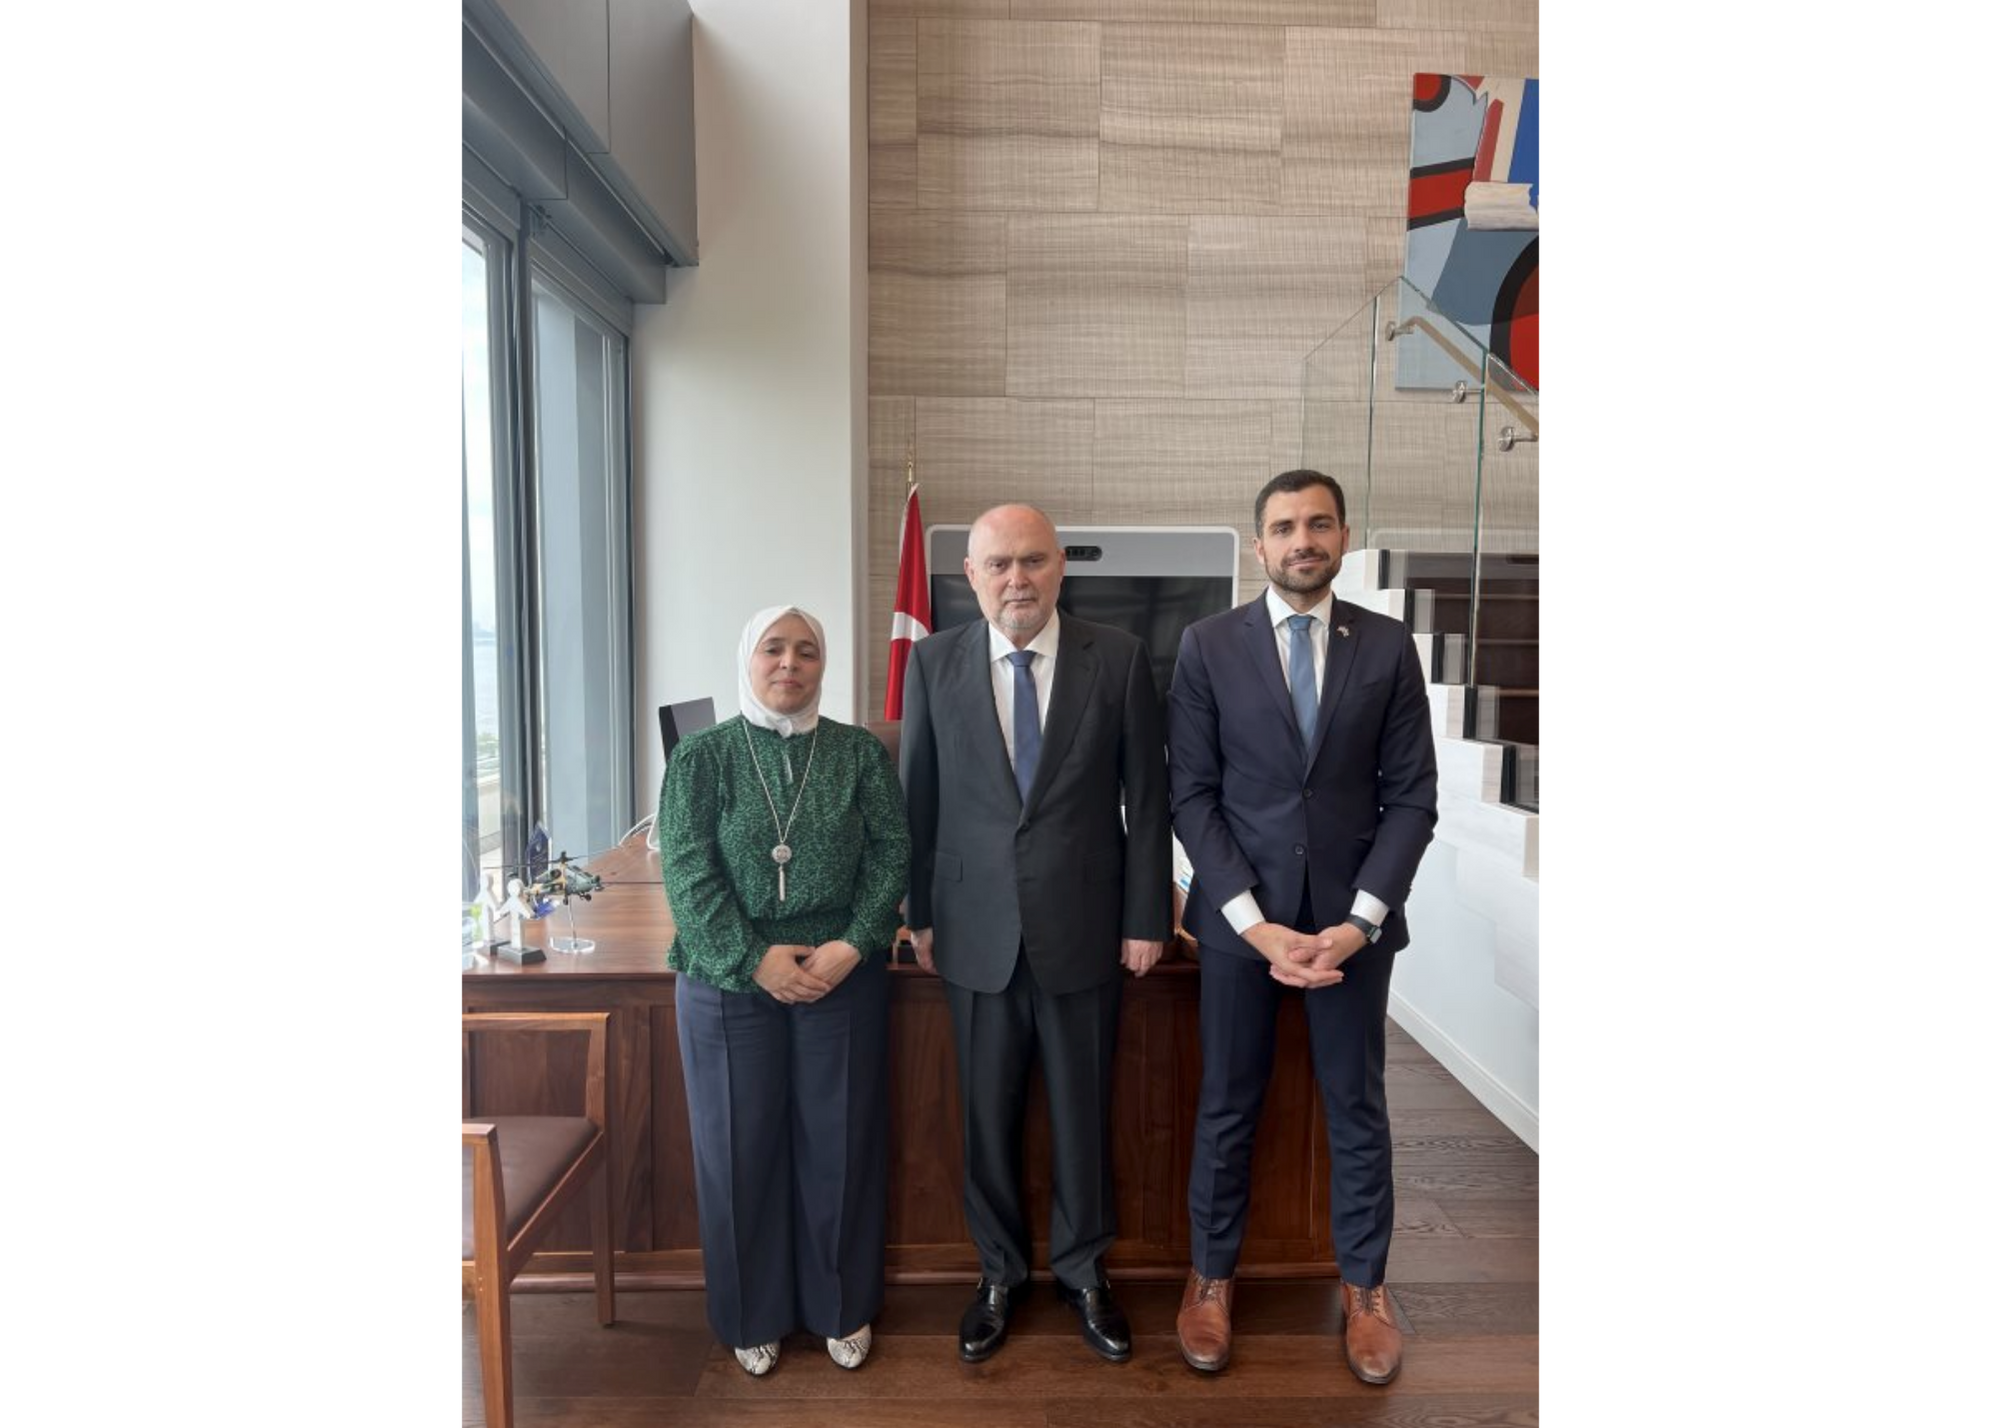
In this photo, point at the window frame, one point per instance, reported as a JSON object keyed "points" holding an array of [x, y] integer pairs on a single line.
{"points": [[519, 251]]}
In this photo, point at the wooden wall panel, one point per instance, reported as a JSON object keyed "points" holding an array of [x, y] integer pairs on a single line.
{"points": [[1513, 53], [1006, 115], [1096, 306], [939, 9], [892, 111], [1347, 116], [978, 453], [1170, 459], [1191, 117], [892, 175], [1205, 12], [892, 81], [1522, 17], [937, 302], [1261, 292], [1115, 11]]}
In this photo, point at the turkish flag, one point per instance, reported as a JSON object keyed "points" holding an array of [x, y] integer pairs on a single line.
{"points": [[912, 620]]}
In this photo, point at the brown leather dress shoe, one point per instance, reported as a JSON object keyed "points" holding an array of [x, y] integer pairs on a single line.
{"points": [[1374, 1343], [1203, 1323]]}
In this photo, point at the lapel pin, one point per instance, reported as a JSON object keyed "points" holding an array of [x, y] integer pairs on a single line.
{"points": [[1344, 631]]}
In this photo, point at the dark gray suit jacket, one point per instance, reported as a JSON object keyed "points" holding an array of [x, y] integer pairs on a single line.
{"points": [[1255, 811], [1062, 877]]}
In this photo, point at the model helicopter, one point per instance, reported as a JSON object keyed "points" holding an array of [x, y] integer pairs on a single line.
{"points": [[560, 882]]}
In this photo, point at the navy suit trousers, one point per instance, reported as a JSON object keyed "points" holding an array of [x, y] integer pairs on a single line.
{"points": [[1346, 1025]]}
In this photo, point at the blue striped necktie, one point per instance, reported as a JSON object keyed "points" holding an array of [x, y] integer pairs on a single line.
{"points": [[1027, 722]]}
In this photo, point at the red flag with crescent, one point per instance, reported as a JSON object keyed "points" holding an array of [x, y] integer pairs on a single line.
{"points": [[912, 620]]}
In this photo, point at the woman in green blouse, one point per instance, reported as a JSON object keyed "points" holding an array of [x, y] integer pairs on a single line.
{"points": [[785, 852]]}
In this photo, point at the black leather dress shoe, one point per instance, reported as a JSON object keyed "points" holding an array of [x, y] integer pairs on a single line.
{"points": [[1104, 1326], [983, 1328]]}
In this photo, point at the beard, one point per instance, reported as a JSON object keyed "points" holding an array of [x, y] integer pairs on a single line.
{"points": [[1307, 581], [1017, 618]]}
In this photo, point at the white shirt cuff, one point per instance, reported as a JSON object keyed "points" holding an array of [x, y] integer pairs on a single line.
{"points": [[1367, 905], [1243, 912]]}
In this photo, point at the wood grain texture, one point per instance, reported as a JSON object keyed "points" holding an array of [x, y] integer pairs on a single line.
{"points": [[1512, 54], [1171, 459], [1096, 306], [1191, 118], [1522, 17], [939, 9], [1006, 115], [1494, 1218], [892, 176], [973, 454], [892, 80], [892, 111], [1205, 12], [1262, 293], [1347, 115], [1401, 1411], [937, 302], [1111, 11], [1287, 442]]}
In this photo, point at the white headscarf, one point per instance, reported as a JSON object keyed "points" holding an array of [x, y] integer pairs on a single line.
{"points": [[784, 725]]}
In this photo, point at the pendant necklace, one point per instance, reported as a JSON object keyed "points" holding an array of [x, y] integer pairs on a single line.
{"points": [[782, 854]]}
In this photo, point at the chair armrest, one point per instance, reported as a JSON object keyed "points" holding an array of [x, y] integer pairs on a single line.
{"points": [[489, 1198], [596, 1024]]}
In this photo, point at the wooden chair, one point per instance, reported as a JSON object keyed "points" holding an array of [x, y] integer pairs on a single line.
{"points": [[519, 1174]]}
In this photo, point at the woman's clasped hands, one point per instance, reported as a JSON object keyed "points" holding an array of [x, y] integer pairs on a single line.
{"points": [[794, 973]]}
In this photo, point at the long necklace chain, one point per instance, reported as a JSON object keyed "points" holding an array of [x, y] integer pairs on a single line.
{"points": [[782, 854]]}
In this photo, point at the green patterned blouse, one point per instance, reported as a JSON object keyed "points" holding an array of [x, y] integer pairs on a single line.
{"points": [[850, 845]]}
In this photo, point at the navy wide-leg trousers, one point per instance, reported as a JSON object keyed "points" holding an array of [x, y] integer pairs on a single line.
{"points": [[789, 1110]]}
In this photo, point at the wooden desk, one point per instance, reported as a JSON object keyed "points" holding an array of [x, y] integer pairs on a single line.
{"points": [[1159, 1068]]}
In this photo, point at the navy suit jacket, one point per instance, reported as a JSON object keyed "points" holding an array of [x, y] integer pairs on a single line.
{"points": [[1062, 876], [1254, 811]]}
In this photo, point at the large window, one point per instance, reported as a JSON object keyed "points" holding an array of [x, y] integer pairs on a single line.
{"points": [[546, 728], [584, 757]]}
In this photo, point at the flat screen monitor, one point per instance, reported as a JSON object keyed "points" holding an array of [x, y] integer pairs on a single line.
{"points": [[677, 721], [1151, 581]]}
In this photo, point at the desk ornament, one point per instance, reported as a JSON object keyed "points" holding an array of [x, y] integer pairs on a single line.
{"points": [[559, 884], [515, 909]]}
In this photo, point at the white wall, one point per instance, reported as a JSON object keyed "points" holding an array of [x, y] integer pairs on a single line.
{"points": [[1446, 995], [748, 399]]}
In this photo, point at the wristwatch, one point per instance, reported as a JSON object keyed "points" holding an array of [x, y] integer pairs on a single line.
{"points": [[1370, 932]]}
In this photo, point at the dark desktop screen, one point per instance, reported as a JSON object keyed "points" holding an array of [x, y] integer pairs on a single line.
{"points": [[1156, 608]]}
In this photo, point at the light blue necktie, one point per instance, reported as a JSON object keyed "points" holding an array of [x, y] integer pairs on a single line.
{"points": [[1305, 697], [1027, 722]]}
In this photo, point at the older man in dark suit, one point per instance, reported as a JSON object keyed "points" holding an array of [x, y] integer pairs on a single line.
{"points": [[1304, 791], [1029, 890]]}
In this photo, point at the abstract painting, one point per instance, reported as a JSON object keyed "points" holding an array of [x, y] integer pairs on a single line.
{"points": [[1475, 200]]}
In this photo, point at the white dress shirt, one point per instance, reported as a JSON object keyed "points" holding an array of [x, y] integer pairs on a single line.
{"points": [[1242, 910], [1042, 666]]}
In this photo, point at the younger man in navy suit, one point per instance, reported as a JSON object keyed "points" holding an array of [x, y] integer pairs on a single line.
{"points": [[1304, 788]]}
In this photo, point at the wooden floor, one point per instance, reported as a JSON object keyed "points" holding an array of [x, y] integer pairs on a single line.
{"points": [[1462, 1270]]}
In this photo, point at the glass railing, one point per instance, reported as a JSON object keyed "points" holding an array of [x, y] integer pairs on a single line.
{"points": [[1435, 442]]}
